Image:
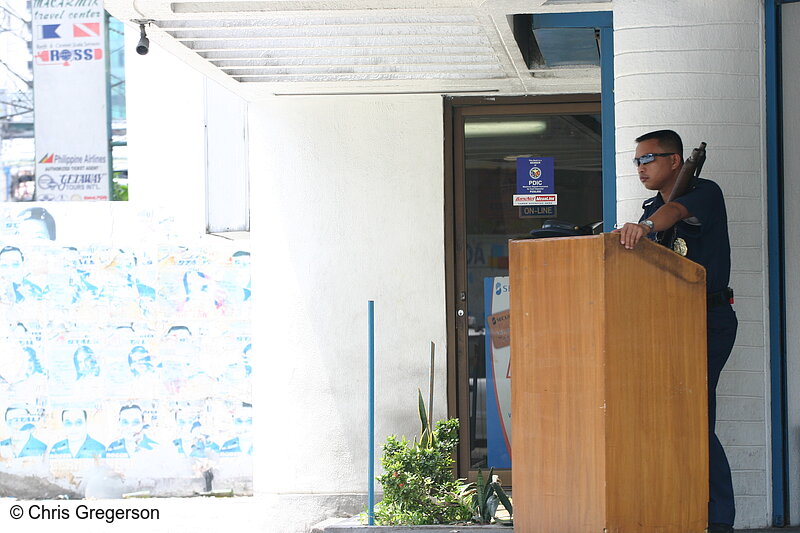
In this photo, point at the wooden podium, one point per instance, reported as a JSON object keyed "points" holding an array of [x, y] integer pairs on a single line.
{"points": [[609, 394]]}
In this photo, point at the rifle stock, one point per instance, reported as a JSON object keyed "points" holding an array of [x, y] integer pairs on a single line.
{"points": [[689, 171]]}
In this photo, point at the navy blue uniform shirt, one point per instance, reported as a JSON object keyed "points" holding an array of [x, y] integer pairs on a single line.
{"points": [[705, 231]]}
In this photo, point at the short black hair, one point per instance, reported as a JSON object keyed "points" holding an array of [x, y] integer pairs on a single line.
{"points": [[15, 408], [128, 407], [668, 139], [7, 249], [85, 417]]}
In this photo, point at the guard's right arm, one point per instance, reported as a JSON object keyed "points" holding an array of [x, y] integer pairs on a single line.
{"points": [[665, 217]]}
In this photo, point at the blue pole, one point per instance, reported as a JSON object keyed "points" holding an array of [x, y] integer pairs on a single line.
{"points": [[371, 469], [777, 353]]}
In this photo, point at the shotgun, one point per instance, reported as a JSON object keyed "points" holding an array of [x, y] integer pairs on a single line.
{"points": [[689, 172]]}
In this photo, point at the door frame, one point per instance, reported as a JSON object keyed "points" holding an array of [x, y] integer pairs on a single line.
{"points": [[455, 109]]}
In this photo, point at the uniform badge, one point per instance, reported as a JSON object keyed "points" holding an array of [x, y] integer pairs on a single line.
{"points": [[679, 246]]}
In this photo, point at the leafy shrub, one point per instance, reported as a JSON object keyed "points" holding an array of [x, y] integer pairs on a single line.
{"points": [[418, 482]]}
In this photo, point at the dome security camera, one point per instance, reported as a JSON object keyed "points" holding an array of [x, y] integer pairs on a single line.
{"points": [[143, 46]]}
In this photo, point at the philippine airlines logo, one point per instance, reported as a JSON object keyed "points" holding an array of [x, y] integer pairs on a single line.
{"points": [[48, 158], [535, 173]]}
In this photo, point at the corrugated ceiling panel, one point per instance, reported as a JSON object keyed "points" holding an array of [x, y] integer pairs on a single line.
{"points": [[334, 47]]}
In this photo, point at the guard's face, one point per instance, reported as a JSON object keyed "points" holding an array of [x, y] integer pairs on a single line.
{"points": [[659, 172]]}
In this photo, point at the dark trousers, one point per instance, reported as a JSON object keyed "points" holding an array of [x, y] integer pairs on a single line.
{"points": [[722, 325]]}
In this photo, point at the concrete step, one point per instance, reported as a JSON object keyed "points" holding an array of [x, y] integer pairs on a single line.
{"points": [[352, 525]]}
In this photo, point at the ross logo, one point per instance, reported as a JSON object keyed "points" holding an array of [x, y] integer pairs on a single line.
{"points": [[65, 55], [48, 158], [535, 172]]}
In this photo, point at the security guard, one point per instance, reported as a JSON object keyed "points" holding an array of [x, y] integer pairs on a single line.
{"points": [[701, 228]]}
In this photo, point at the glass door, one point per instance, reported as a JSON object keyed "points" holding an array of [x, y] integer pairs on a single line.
{"points": [[498, 151]]}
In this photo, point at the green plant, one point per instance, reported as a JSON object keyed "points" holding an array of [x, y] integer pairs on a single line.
{"points": [[426, 437], [418, 482], [119, 191], [487, 495]]}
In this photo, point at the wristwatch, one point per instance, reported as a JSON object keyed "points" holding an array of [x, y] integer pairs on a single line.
{"points": [[649, 224]]}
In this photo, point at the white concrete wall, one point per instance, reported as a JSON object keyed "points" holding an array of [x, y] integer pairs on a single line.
{"points": [[791, 181], [195, 133], [227, 180], [696, 68], [166, 137], [347, 196]]}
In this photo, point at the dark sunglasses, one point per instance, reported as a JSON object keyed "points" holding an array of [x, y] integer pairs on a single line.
{"points": [[648, 158]]}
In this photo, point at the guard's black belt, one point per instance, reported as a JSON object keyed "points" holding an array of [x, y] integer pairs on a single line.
{"points": [[723, 297]]}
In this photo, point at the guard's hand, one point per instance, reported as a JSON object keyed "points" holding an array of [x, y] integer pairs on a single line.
{"points": [[631, 233]]}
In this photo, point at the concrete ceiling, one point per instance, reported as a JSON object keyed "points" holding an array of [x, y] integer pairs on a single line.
{"points": [[261, 48]]}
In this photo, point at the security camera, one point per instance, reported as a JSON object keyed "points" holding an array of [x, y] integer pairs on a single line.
{"points": [[143, 46], [144, 43]]}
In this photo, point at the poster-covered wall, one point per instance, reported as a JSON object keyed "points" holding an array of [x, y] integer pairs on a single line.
{"points": [[125, 347]]}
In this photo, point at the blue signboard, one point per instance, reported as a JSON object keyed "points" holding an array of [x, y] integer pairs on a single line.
{"points": [[535, 175], [498, 377]]}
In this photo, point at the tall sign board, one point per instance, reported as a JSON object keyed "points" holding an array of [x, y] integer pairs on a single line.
{"points": [[69, 73]]}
